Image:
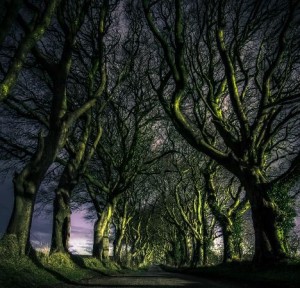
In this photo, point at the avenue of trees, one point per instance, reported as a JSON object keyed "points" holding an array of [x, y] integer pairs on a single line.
{"points": [[174, 124]]}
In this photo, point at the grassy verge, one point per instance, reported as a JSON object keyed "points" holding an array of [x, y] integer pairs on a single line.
{"points": [[45, 270], [281, 275]]}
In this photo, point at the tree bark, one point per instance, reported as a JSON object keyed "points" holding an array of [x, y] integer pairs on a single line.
{"points": [[61, 221], [27, 43], [118, 245], [196, 253], [20, 221], [229, 252], [269, 246], [100, 249], [26, 185]]}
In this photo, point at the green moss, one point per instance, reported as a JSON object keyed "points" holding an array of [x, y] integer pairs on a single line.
{"points": [[45, 269], [112, 266], [9, 246], [4, 89], [16, 271], [57, 260]]}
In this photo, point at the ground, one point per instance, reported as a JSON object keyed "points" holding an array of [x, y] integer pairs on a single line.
{"points": [[153, 277]]}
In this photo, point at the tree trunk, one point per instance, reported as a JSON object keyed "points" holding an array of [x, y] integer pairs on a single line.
{"points": [[229, 251], [118, 246], [196, 253], [204, 234], [61, 221], [26, 185], [204, 254], [100, 232], [20, 221], [105, 245], [120, 233], [268, 244], [187, 249], [62, 210], [183, 250], [67, 183]]}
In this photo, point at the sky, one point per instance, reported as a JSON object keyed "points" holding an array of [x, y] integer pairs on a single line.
{"points": [[81, 239]]}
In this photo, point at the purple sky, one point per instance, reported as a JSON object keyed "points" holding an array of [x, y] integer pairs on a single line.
{"points": [[81, 230]]}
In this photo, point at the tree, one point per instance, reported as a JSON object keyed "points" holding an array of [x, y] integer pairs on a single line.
{"points": [[90, 54], [69, 179], [222, 88], [28, 180], [119, 158], [228, 210], [191, 202], [123, 217], [33, 30]]}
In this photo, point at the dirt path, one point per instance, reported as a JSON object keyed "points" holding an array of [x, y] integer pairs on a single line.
{"points": [[154, 277]]}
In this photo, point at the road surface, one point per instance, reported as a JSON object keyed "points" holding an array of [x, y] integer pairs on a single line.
{"points": [[154, 277]]}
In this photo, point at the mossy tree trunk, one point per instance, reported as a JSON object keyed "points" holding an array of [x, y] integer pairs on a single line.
{"points": [[26, 185], [101, 243]]}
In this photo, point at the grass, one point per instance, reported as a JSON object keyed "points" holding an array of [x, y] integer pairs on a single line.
{"points": [[280, 275], [46, 269]]}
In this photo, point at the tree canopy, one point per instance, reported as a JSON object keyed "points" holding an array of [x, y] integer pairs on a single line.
{"points": [[174, 124]]}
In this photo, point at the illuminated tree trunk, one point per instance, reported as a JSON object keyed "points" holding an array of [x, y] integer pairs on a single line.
{"points": [[105, 245], [187, 249], [101, 243]]}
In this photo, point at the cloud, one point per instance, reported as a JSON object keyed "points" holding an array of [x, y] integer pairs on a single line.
{"points": [[81, 246]]}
